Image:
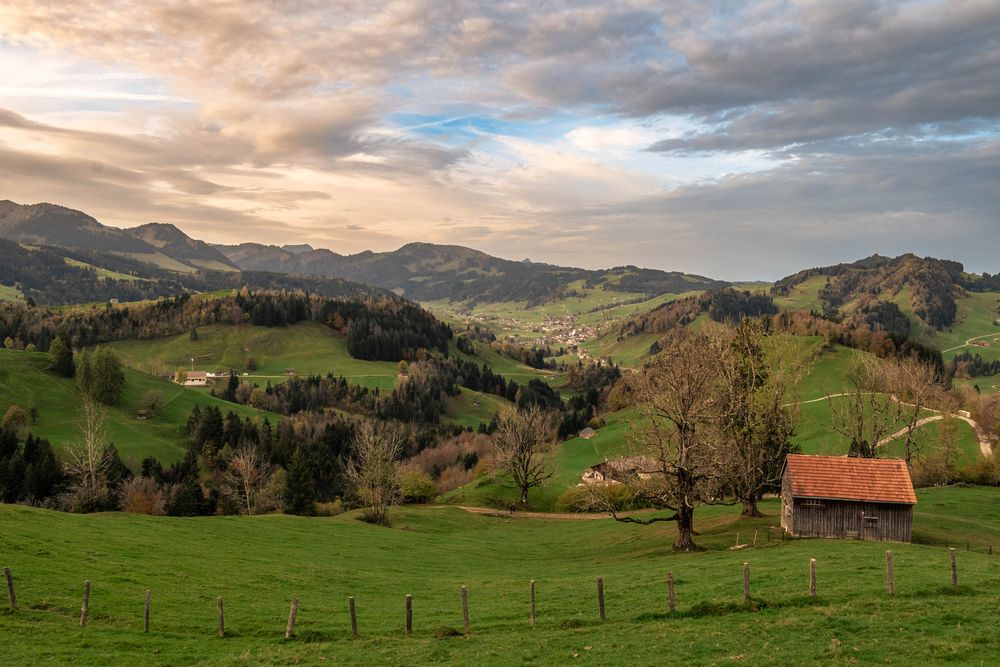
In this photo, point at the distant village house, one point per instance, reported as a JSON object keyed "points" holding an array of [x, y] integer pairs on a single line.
{"points": [[191, 378], [833, 496], [614, 471]]}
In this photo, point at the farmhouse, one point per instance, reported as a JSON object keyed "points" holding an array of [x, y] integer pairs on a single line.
{"points": [[613, 471], [192, 378], [834, 496]]}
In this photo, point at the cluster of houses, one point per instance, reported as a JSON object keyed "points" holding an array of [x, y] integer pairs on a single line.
{"points": [[821, 496]]}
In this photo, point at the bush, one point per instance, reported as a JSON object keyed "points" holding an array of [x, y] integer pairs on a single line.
{"points": [[598, 498], [329, 509], [417, 486]]}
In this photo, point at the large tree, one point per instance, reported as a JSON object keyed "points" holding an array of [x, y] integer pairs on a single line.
{"points": [[915, 385], [681, 397], [523, 447], [374, 469], [61, 357], [756, 424]]}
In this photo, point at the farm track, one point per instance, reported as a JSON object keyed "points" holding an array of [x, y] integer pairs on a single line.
{"points": [[967, 343], [985, 444]]}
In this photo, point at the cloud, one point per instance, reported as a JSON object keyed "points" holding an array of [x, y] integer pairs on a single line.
{"points": [[673, 134]]}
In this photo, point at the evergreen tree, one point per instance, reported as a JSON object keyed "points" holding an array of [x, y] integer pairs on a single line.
{"points": [[62, 358], [108, 377], [299, 489]]}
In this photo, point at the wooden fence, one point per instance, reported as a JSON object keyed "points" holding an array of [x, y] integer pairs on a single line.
{"points": [[289, 630]]}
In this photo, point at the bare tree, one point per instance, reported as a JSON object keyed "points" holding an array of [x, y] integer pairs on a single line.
{"points": [[867, 414], [681, 397], [90, 460], [374, 469], [914, 385], [523, 448], [755, 424], [245, 479]]}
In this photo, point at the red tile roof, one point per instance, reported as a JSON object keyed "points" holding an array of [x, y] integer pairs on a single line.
{"points": [[843, 478]]}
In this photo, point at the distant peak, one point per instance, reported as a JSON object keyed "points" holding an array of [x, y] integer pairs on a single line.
{"points": [[297, 248]]}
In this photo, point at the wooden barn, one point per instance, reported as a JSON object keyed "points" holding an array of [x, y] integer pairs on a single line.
{"points": [[835, 496]]}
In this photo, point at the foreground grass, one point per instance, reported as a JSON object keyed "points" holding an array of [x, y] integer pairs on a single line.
{"points": [[259, 563]]}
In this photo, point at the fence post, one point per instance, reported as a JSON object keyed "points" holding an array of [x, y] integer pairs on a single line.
{"points": [[222, 617], [532, 602], [409, 614], [465, 611], [145, 622], [670, 591], [812, 577], [890, 587], [954, 569], [600, 597], [293, 612], [85, 607], [354, 617], [746, 582], [10, 588]]}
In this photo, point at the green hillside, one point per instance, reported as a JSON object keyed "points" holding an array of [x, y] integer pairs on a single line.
{"points": [[23, 381], [257, 564], [307, 347]]}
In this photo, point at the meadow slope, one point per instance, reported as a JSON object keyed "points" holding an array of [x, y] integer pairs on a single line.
{"points": [[257, 564]]}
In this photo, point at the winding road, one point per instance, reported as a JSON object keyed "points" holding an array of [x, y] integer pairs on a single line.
{"points": [[969, 342], [985, 444]]}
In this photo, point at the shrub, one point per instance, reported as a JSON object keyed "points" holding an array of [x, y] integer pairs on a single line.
{"points": [[598, 498], [417, 486], [332, 508]]}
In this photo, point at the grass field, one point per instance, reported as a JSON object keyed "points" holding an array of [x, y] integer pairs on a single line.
{"points": [[257, 564], [10, 293], [306, 347], [574, 456], [25, 382], [472, 408]]}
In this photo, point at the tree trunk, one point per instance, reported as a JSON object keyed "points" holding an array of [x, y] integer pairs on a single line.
{"points": [[685, 529], [750, 510], [524, 496]]}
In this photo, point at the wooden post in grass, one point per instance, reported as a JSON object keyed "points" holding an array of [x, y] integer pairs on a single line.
{"points": [[85, 607], [812, 577], [409, 615], [600, 598], [954, 569], [354, 617], [532, 602], [670, 591], [890, 586], [746, 582], [222, 617], [465, 611], [145, 621], [10, 588], [292, 613]]}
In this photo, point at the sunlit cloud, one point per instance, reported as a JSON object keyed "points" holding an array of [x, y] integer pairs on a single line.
{"points": [[674, 135]]}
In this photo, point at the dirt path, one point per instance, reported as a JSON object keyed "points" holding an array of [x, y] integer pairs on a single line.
{"points": [[557, 516], [968, 342], [985, 444]]}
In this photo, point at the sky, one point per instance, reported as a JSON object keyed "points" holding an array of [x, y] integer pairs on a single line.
{"points": [[738, 140]]}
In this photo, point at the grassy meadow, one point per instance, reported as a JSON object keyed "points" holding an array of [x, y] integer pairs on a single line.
{"points": [[306, 347], [259, 563], [25, 382]]}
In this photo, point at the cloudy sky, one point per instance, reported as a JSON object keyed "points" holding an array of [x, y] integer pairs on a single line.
{"points": [[734, 139]]}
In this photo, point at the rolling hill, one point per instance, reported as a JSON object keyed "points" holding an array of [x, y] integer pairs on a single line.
{"points": [[160, 245], [426, 272]]}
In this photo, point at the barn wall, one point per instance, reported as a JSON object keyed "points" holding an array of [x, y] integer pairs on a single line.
{"points": [[850, 519]]}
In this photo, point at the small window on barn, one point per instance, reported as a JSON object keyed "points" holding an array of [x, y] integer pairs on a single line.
{"points": [[817, 504], [870, 519]]}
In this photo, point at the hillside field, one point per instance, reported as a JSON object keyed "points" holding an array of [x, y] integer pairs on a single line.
{"points": [[258, 563], [25, 382], [306, 347]]}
